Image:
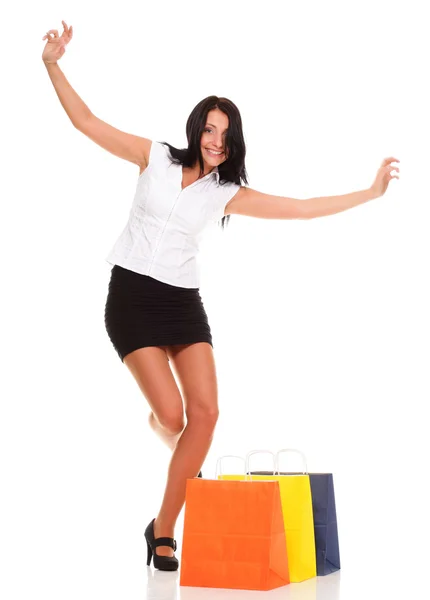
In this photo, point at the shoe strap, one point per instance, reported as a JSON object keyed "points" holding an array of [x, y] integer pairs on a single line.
{"points": [[165, 541]]}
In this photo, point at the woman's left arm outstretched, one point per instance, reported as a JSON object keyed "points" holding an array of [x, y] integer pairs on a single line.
{"points": [[251, 203]]}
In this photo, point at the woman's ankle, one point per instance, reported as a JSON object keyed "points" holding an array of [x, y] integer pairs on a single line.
{"points": [[163, 528]]}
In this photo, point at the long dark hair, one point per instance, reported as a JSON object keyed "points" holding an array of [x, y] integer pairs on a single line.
{"points": [[233, 168]]}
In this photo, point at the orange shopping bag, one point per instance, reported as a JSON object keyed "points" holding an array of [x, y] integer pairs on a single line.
{"points": [[234, 535]]}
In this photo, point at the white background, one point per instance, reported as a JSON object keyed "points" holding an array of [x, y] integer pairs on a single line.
{"points": [[320, 327]]}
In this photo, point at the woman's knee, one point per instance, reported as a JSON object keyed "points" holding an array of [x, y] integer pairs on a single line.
{"points": [[203, 416], [172, 423]]}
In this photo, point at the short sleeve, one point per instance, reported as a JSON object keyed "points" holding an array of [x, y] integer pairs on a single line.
{"points": [[224, 193], [157, 153]]}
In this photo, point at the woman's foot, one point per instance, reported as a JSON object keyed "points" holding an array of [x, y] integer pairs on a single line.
{"points": [[156, 552], [162, 531]]}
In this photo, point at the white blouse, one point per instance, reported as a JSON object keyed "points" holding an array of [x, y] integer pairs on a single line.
{"points": [[166, 223]]}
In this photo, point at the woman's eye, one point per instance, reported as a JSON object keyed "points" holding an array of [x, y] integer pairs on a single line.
{"points": [[208, 129]]}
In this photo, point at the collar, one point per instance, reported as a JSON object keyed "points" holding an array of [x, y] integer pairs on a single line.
{"points": [[216, 172]]}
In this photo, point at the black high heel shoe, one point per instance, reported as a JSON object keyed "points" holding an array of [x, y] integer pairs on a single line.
{"points": [[164, 563]]}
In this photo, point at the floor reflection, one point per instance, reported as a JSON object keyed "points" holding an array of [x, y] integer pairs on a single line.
{"points": [[163, 585]]}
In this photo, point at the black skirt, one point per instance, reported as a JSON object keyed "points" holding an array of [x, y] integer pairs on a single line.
{"points": [[142, 311]]}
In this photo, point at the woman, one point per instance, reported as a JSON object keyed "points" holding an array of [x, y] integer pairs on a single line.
{"points": [[154, 313]]}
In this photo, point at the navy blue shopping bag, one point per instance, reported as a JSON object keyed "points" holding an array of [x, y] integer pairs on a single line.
{"points": [[325, 523], [325, 520]]}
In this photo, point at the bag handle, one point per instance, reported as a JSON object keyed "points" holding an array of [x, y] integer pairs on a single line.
{"points": [[219, 463], [299, 452], [248, 476], [248, 456]]}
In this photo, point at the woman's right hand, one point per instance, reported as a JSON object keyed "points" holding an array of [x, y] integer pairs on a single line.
{"points": [[56, 46]]}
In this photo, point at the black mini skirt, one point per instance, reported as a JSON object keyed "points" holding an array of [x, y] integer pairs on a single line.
{"points": [[142, 311]]}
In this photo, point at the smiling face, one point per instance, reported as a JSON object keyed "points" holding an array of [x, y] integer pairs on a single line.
{"points": [[213, 140]]}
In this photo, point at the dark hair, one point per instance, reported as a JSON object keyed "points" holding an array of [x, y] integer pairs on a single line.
{"points": [[233, 168]]}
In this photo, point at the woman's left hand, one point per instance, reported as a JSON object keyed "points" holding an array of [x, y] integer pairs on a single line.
{"points": [[383, 176]]}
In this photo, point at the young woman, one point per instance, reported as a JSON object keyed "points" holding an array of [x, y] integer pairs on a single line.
{"points": [[154, 314]]}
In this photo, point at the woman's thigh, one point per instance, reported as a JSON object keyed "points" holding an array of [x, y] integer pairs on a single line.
{"points": [[151, 369], [194, 366]]}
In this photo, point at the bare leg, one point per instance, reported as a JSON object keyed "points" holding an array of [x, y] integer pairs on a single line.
{"points": [[165, 436], [187, 459], [195, 367]]}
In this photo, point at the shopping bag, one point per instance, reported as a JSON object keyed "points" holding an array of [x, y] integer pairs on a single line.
{"points": [[324, 514], [233, 535], [296, 500], [325, 522]]}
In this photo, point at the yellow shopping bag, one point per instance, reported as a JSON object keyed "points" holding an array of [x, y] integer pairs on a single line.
{"points": [[296, 500]]}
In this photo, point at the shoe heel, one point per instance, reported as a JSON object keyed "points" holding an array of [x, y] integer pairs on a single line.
{"points": [[148, 561]]}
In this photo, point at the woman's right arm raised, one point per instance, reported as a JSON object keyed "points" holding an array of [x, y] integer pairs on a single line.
{"points": [[125, 145]]}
